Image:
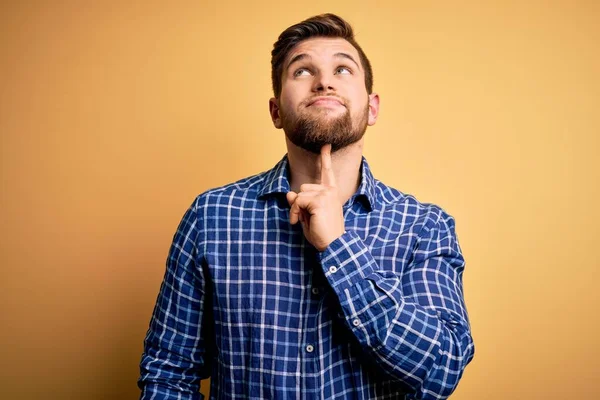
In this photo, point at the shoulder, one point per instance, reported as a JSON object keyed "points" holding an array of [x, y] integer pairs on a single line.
{"points": [[406, 206], [232, 193]]}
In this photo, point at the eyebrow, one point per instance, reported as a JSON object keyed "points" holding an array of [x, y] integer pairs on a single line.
{"points": [[303, 56], [349, 57]]}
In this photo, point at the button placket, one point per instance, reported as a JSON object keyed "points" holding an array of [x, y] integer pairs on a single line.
{"points": [[310, 325]]}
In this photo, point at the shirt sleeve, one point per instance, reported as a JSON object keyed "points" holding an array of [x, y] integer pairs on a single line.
{"points": [[413, 323], [175, 356]]}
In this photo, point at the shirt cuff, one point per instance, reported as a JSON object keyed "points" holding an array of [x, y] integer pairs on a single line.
{"points": [[155, 391], [346, 261]]}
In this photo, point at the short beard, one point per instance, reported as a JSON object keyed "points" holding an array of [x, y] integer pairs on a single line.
{"points": [[312, 133]]}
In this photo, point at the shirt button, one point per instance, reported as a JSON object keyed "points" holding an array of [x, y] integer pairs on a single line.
{"points": [[315, 290], [310, 348], [356, 322], [333, 269]]}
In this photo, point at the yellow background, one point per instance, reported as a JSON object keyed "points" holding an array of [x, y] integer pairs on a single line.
{"points": [[115, 115]]}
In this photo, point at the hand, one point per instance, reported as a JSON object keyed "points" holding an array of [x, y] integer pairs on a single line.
{"points": [[318, 207]]}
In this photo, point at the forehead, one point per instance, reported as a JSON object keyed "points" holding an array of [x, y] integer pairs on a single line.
{"points": [[322, 47]]}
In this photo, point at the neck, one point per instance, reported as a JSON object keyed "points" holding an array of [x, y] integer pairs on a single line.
{"points": [[305, 167]]}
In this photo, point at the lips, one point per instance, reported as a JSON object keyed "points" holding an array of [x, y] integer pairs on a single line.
{"points": [[325, 101]]}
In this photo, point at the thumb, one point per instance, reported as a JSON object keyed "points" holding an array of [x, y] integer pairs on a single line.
{"points": [[291, 197]]}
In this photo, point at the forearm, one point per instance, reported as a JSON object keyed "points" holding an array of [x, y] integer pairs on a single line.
{"points": [[424, 343], [424, 351], [169, 370], [174, 358], [166, 375]]}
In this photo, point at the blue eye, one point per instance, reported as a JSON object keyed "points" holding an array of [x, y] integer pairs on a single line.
{"points": [[301, 71], [343, 71]]}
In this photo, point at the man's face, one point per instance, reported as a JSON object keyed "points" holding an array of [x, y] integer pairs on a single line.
{"points": [[324, 98]]}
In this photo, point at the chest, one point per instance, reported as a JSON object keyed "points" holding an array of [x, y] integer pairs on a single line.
{"points": [[257, 260]]}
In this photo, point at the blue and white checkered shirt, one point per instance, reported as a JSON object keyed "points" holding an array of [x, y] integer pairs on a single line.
{"points": [[246, 300]]}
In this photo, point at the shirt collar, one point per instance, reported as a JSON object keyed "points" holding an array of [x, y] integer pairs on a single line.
{"points": [[277, 181]]}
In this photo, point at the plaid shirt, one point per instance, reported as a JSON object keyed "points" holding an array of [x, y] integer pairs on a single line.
{"points": [[249, 302]]}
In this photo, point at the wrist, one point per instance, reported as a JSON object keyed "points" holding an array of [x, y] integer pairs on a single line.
{"points": [[326, 244]]}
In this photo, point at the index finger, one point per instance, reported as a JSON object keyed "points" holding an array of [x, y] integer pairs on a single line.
{"points": [[327, 176]]}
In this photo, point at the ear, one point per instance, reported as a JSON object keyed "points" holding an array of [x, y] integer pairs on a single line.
{"points": [[274, 111], [373, 108]]}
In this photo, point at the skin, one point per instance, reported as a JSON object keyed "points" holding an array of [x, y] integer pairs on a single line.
{"points": [[323, 78]]}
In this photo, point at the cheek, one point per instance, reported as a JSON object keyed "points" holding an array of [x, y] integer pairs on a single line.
{"points": [[287, 104], [286, 109], [360, 102], [291, 102], [287, 94]]}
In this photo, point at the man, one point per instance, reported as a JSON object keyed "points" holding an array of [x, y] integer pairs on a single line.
{"points": [[312, 280]]}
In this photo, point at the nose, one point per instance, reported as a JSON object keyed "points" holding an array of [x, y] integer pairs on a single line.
{"points": [[323, 83]]}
